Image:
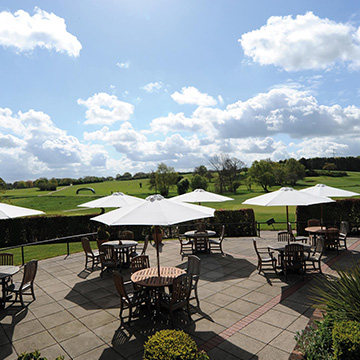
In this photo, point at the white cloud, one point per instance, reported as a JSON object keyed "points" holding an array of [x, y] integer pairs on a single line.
{"points": [[123, 65], [106, 109], [43, 29], [35, 147], [304, 42], [153, 87], [191, 95]]}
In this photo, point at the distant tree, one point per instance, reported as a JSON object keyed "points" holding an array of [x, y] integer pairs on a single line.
{"points": [[198, 182], [29, 184], [294, 171], [2, 185], [165, 177], [140, 175], [19, 185], [329, 166], [200, 170], [41, 183], [183, 186], [126, 176], [279, 173], [152, 182], [262, 172], [228, 170]]}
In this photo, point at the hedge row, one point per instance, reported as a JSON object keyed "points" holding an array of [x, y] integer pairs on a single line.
{"points": [[27, 230], [333, 213]]}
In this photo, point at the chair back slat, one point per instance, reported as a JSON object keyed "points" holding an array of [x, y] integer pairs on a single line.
{"points": [[284, 236], [139, 262], [193, 265], [6, 259], [181, 288], [120, 287], [30, 270], [313, 222]]}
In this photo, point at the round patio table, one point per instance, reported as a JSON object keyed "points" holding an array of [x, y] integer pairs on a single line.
{"points": [[6, 271], [201, 239], [149, 278], [315, 231], [124, 248]]}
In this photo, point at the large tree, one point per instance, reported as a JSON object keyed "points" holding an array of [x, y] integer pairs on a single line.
{"points": [[163, 178], [262, 172]]}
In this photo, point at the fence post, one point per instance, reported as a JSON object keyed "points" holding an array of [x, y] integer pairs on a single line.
{"points": [[68, 249]]}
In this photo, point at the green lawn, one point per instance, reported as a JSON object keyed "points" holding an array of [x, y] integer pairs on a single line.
{"points": [[65, 201]]}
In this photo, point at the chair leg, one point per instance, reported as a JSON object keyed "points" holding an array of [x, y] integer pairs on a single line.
{"points": [[130, 314], [197, 298], [21, 299]]}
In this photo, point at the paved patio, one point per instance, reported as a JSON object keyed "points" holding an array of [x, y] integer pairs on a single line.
{"points": [[243, 315]]}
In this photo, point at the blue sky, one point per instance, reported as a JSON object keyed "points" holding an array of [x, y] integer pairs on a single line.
{"points": [[104, 87]]}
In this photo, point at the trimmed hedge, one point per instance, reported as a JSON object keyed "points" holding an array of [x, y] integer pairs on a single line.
{"points": [[38, 228], [172, 345], [333, 213], [346, 340]]}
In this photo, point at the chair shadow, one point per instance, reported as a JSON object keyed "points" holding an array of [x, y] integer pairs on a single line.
{"points": [[9, 318], [129, 338]]}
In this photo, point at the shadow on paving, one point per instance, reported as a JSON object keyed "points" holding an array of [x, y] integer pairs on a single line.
{"points": [[9, 318], [129, 339]]}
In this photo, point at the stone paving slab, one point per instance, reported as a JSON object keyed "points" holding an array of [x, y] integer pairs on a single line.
{"points": [[243, 314]]}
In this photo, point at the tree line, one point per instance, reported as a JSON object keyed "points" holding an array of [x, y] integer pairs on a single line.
{"points": [[230, 173]]}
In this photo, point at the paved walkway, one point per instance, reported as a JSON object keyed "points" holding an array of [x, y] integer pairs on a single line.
{"points": [[243, 315]]}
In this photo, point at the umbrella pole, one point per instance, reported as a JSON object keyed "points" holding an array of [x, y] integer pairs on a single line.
{"points": [[157, 249], [287, 217]]}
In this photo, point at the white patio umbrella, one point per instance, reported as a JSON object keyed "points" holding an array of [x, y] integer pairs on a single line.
{"points": [[117, 199], [287, 196], [199, 196], [156, 210], [329, 191], [11, 211]]}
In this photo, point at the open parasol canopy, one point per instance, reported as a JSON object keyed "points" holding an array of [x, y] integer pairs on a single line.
{"points": [[117, 199], [199, 196], [11, 211], [329, 191], [156, 210], [287, 196]]}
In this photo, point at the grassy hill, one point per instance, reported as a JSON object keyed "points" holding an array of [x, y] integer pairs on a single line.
{"points": [[64, 201]]}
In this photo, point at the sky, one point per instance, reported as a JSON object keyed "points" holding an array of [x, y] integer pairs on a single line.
{"points": [[99, 88]]}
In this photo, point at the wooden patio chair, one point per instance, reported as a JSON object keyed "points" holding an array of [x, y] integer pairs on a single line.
{"points": [[284, 236], [294, 259], [139, 262], [332, 238], [20, 288], [315, 256], [293, 238], [193, 269], [140, 251], [108, 259], [129, 299], [216, 244], [180, 295], [342, 240], [265, 257], [90, 255], [127, 235], [313, 222], [186, 246], [7, 259]]}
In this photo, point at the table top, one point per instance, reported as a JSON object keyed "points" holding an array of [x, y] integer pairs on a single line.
{"points": [[149, 277], [282, 247], [316, 229], [8, 270], [192, 233], [124, 243]]}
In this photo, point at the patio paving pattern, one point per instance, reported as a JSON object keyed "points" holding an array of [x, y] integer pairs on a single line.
{"points": [[242, 315]]}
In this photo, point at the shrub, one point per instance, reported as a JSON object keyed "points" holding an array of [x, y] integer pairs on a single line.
{"points": [[172, 345], [341, 297], [35, 355], [346, 340], [315, 342]]}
